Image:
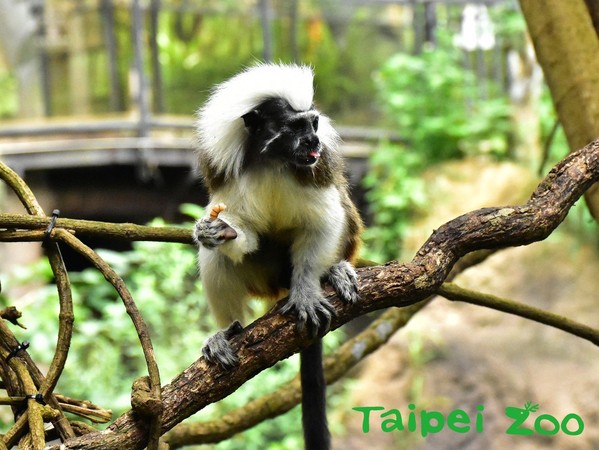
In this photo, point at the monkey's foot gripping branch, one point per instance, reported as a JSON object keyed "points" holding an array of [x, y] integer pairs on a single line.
{"points": [[218, 350], [344, 280]]}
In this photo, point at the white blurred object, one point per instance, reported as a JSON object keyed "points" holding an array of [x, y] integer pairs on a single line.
{"points": [[477, 31]]}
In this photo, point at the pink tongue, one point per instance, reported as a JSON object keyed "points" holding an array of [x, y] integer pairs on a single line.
{"points": [[314, 154]]}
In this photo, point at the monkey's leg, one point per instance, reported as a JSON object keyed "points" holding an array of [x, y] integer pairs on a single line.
{"points": [[227, 298], [309, 255], [342, 276], [313, 310]]}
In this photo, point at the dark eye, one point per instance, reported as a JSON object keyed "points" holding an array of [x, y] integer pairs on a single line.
{"points": [[297, 125], [315, 123]]}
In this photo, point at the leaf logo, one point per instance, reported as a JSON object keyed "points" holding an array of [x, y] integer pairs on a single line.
{"points": [[520, 415]]}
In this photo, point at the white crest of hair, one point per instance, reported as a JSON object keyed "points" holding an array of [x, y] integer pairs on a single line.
{"points": [[220, 129]]}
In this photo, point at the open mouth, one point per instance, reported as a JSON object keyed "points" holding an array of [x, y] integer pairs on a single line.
{"points": [[310, 159]]}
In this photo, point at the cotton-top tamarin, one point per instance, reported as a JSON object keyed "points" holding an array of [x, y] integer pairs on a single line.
{"points": [[280, 219]]}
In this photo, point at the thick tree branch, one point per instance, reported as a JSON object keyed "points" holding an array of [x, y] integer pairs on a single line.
{"points": [[289, 395], [336, 366], [275, 337]]}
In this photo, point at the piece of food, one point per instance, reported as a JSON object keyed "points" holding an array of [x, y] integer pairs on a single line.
{"points": [[216, 210]]}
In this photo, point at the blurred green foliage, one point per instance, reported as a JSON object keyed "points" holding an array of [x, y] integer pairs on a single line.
{"points": [[105, 356], [8, 99], [443, 107], [191, 64], [435, 105], [395, 194], [343, 62], [201, 45]]}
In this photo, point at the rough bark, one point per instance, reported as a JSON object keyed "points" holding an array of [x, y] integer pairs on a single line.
{"points": [[275, 337], [567, 46]]}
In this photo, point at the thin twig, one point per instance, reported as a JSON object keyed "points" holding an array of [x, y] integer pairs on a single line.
{"points": [[90, 228], [65, 326], [138, 322], [456, 293], [15, 432], [9, 339], [13, 315], [35, 420], [547, 146], [66, 318], [22, 191], [82, 409]]}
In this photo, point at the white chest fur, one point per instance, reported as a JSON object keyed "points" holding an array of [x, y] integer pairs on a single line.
{"points": [[262, 202], [270, 200]]}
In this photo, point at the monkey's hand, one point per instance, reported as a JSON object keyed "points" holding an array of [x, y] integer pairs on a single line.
{"points": [[218, 350], [314, 312], [212, 232], [344, 280]]}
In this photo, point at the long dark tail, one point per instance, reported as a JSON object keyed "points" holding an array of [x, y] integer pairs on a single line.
{"points": [[314, 414]]}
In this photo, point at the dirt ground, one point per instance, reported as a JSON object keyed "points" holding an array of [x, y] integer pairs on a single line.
{"points": [[456, 356]]}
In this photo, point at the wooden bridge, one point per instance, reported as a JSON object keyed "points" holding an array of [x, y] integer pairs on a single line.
{"points": [[123, 169], [162, 141]]}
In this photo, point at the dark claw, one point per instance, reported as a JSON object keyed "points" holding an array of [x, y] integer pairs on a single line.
{"points": [[314, 313], [218, 349]]}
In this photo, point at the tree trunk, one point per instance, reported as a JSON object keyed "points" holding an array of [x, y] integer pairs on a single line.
{"points": [[567, 47]]}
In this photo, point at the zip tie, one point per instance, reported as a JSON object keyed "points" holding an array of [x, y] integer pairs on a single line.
{"points": [[51, 226], [23, 346], [37, 397]]}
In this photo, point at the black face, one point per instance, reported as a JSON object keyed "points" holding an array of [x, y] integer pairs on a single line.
{"points": [[278, 131]]}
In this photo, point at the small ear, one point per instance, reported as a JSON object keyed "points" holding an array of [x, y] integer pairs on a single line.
{"points": [[252, 119]]}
